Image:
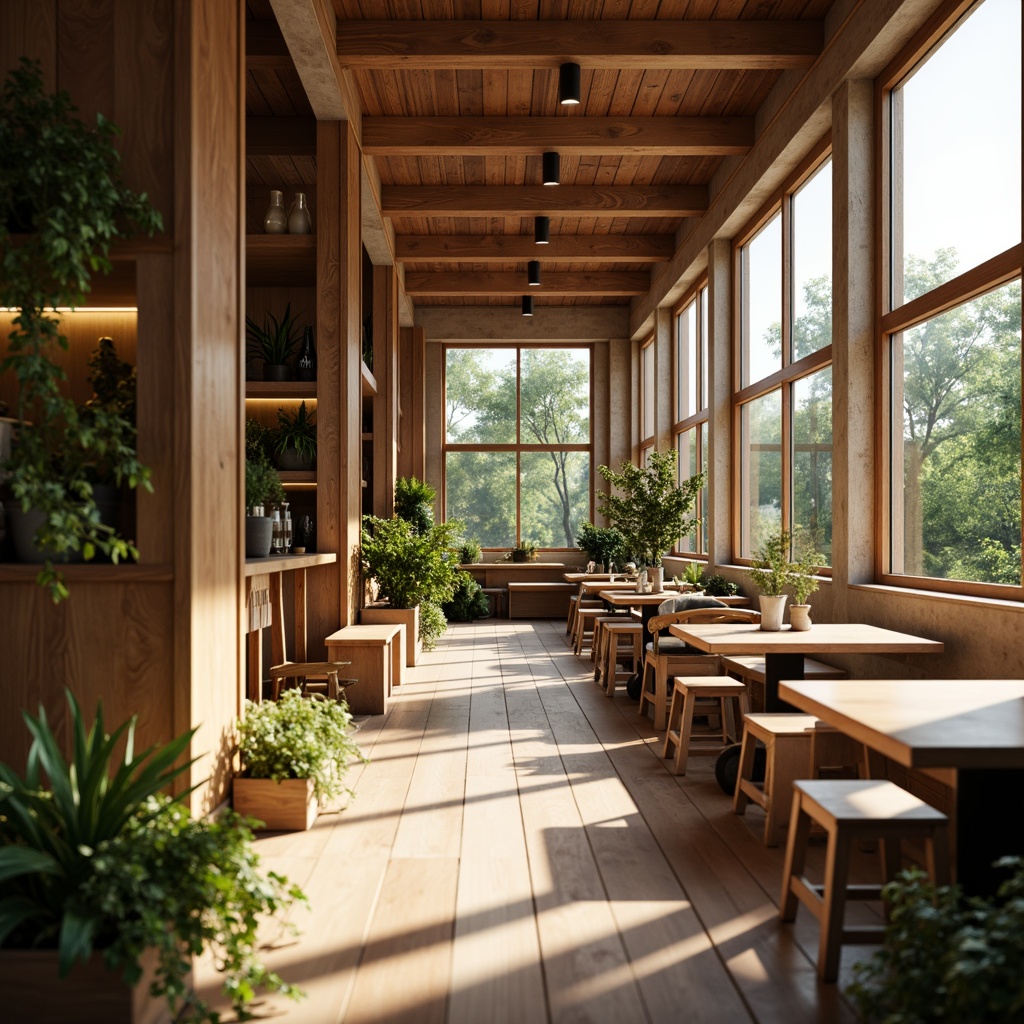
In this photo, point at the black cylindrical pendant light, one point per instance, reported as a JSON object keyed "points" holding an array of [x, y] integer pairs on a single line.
{"points": [[527, 305], [551, 168], [533, 272], [542, 230], [569, 84]]}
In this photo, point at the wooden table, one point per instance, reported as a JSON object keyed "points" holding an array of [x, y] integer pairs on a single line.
{"points": [[784, 651], [974, 726], [265, 606], [648, 605]]}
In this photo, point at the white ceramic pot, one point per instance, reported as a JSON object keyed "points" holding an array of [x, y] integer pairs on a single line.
{"points": [[800, 616], [656, 577], [772, 609]]}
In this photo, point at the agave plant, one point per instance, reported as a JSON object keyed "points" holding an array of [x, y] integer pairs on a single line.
{"points": [[276, 340]]}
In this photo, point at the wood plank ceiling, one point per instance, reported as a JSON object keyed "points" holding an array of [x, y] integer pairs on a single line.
{"points": [[460, 100]]}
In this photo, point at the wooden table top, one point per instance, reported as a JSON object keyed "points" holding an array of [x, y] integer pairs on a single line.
{"points": [[821, 638], [283, 563], [923, 723], [631, 599]]}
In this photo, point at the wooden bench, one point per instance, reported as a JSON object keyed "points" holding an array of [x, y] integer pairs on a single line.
{"points": [[539, 600], [376, 658]]}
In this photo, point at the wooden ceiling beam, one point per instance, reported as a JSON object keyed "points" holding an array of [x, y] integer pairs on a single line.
{"points": [[457, 283], [265, 48], [557, 201], [562, 248], [574, 136], [642, 45]]}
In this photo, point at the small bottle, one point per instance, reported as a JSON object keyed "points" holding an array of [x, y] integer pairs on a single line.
{"points": [[277, 537], [287, 531], [299, 222], [305, 368], [275, 220]]}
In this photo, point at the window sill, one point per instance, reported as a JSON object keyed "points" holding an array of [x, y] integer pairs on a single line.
{"points": [[939, 595]]}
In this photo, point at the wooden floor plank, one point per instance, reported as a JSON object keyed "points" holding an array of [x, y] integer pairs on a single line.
{"points": [[518, 853]]}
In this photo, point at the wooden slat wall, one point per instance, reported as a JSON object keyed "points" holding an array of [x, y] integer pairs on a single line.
{"points": [[168, 648], [385, 406]]}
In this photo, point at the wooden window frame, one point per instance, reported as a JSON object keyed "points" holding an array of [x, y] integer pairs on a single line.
{"points": [[1000, 269]]}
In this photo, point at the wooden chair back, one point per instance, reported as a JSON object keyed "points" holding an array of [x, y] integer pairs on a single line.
{"points": [[659, 622]]}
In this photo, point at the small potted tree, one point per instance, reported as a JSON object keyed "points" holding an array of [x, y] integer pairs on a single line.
{"points": [[771, 573], [524, 551], [650, 509], [603, 545], [108, 888], [804, 583], [295, 753], [262, 489]]}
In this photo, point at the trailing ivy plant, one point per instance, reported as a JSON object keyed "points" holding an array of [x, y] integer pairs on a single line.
{"points": [[647, 505], [62, 195]]}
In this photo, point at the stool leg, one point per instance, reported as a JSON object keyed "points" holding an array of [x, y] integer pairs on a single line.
{"points": [[685, 731], [674, 712], [837, 873], [661, 693], [645, 694], [748, 745], [796, 857], [789, 761], [332, 685]]}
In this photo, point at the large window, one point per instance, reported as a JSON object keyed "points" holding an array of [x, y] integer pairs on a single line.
{"points": [[517, 443], [784, 394], [951, 322], [690, 428]]}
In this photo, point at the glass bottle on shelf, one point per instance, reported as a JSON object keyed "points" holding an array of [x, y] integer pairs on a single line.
{"points": [[275, 220], [286, 529], [277, 537], [305, 368], [299, 222]]}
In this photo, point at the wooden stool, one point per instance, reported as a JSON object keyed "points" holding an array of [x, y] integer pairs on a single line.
{"points": [[584, 630], [618, 639], [575, 604], [595, 641], [730, 694], [306, 670], [851, 810], [749, 668], [376, 658]]}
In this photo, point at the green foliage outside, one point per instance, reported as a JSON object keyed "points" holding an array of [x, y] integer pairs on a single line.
{"points": [[297, 737], [69, 211], [93, 858], [946, 959], [648, 507], [553, 391]]}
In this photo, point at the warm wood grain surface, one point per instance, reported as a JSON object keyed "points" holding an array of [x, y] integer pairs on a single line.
{"points": [[822, 638]]}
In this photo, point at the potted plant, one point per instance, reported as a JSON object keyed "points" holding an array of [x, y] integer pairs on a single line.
{"points": [[804, 582], [295, 439], [262, 489], [101, 876], [603, 545], [274, 342], [771, 572], [718, 586], [693, 575], [469, 552], [414, 502], [946, 958], [650, 509], [410, 569], [469, 602], [64, 214], [295, 753], [524, 551]]}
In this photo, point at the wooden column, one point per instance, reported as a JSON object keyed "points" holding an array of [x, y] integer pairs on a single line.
{"points": [[663, 411], [411, 377], [854, 509], [333, 592], [385, 406], [720, 418]]}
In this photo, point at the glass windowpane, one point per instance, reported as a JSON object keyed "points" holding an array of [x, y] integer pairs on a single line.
{"points": [[481, 491], [761, 424], [762, 303], [812, 465], [812, 264], [480, 396], [555, 499]]}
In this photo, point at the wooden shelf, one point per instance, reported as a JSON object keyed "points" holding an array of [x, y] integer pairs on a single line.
{"points": [[282, 563], [272, 260], [369, 381], [297, 476], [281, 389], [103, 572]]}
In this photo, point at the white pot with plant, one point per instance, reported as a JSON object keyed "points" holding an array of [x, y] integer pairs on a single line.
{"points": [[770, 573], [804, 583], [295, 753], [650, 509]]}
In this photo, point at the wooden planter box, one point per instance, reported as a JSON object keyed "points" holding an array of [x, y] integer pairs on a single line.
{"points": [[31, 992], [287, 806], [409, 617]]}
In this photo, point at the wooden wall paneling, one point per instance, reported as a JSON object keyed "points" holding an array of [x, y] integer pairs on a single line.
{"points": [[209, 279], [29, 28], [385, 406], [84, 68], [411, 391]]}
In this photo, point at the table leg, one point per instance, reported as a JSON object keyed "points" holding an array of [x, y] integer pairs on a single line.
{"points": [[988, 810], [277, 641], [635, 682], [777, 667], [299, 578], [255, 680]]}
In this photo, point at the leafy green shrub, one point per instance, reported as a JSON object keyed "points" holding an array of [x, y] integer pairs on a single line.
{"points": [[432, 624], [94, 859], [719, 586], [469, 552], [262, 484], [770, 571], [296, 737], [947, 958], [603, 545], [414, 502], [470, 602]]}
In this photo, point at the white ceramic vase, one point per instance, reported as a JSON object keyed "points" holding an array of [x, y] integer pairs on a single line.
{"points": [[772, 609], [656, 578], [800, 616]]}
